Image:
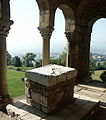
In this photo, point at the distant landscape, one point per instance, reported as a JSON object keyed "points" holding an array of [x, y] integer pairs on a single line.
{"points": [[17, 65], [55, 54]]}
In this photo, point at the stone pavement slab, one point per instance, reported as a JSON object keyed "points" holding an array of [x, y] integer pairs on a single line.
{"points": [[90, 93], [90, 86], [81, 108], [3, 116]]}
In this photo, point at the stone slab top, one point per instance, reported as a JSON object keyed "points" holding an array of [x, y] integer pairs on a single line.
{"points": [[50, 74], [51, 70]]}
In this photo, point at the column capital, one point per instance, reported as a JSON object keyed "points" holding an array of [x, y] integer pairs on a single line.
{"points": [[68, 35], [46, 32], [46, 35], [5, 27]]}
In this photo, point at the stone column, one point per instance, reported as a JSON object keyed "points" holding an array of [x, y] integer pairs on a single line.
{"points": [[4, 96], [80, 46], [46, 35], [74, 55], [68, 58], [84, 61]]}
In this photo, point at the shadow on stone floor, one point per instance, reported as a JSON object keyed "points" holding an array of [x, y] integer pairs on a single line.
{"points": [[97, 87], [82, 107], [100, 115], [95, 83]]}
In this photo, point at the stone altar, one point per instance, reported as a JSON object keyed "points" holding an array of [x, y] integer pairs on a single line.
{"points": [[50, 86]]}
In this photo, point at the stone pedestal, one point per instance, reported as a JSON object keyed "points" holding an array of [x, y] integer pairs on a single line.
{"points": [[50, 86]]}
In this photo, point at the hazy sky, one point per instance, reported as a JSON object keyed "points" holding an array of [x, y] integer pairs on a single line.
{"points": [[98, 36], [25, 37]]}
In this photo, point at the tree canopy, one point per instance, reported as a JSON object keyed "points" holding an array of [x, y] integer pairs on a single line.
{"points": [[28, 59]]}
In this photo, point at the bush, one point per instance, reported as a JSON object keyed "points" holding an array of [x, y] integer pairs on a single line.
{"points": [[18, 69], [101, 68], [103, 76]]}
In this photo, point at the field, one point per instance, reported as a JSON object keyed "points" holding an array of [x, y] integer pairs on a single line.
{"points": [[15, 83], [96, 75]]}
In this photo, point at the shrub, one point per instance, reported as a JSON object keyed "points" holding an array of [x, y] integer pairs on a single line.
{"points": [[18, 69], [101, 68], [103, 76]]}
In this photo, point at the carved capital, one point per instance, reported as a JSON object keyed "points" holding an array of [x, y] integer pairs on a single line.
{"points": [[68, 35], [5, 27], [46, 32]]}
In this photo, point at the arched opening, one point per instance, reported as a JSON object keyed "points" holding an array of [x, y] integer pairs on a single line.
{"points": [[98, 49], [67, 27], [58, 39], [69, 30], [24, 38]]}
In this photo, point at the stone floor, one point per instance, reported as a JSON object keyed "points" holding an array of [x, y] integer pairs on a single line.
{"points": [[80, 109], [3, 116], [86, 94], [95, 90]]}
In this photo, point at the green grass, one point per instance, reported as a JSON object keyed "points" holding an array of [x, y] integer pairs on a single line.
{"points": [[15, 84], [21, 68], [96, 75]]}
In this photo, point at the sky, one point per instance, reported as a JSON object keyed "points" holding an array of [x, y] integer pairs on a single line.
{"points": [[25, 37], [98, 36]]}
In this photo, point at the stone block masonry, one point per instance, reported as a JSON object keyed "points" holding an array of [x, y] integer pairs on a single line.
{"points": [[49, 87]]}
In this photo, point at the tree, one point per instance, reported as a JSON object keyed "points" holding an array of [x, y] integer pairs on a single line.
{"points": [[54, 60], [8, 58], [92, 66], [104, 64], [38, 63], [16, 61], [28, 59], [62, 58], [103, 76]]}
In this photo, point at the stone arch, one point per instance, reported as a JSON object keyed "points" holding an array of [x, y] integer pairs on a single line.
{"points": [[85, 18], [69, 27], [81, 7], [43, 4], [46, 24], [69, 17], [92, 12]]}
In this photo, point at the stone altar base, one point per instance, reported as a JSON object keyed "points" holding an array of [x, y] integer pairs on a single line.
{"points": [[50, 87], [82, 108]]}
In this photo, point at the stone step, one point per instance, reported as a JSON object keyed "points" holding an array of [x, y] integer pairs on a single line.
{"points": [[3, 116], [82, 108]]}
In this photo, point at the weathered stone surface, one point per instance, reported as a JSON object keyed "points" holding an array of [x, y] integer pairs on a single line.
{"points": [[91, 87], [50, 86], [90, 93], [20, 114], [51, 74], [82, 107], [3, 116]]}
